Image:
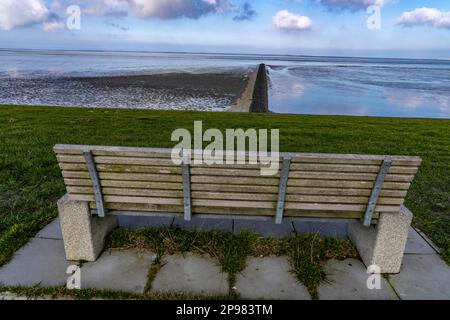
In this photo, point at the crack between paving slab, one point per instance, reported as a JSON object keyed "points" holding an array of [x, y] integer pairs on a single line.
{"points": [[293, 227], [48, 238], [173, 221], [428, 241], [388, 280], [42, 238]]}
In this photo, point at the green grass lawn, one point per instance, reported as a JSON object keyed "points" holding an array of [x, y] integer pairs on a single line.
{"points": [[31, 183]]}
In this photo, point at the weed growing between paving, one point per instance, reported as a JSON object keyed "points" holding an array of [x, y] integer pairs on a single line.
{"points": [[307, 253]]}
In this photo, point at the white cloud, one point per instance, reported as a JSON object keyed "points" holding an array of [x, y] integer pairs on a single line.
{"points": [[163, 9], [167, 9], [15, 13], [116, 8], [425, 17], [172, 9], [53, 25], [352, 4], [285, 20]]}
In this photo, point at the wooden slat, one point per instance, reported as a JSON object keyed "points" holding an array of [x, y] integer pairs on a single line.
{"points": [[338, 207], [139, 169], [78, 149], [232, 196], [124, 176], [119, 160], [294, 206], [234, 211], [70, 159], [348, 176], [123, 199], [350, 168], [297, 182], [196, 170], [133, 154], [141, 207], [234, 188], [234, 204], [287, 213], [355, 161], [343, 192], [128, 192], [202, 171], [121, 168], [126, 184], [268, 181], [179, 210], [342, 200], [345, 184], [326, 214]]}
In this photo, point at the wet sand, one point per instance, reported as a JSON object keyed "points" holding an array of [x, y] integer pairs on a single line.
{"points": [[176, 91]]}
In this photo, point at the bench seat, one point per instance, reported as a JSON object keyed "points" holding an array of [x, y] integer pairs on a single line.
{"points": [[114, 180]]}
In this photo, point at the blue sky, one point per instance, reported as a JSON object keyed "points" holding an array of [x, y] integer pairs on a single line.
{"points": [[409, 28]]}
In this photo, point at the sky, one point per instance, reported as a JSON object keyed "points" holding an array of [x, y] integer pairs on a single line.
{"points": [[379, 28]]}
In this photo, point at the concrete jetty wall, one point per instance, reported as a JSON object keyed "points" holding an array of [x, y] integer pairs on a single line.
{"points": [[255, 97], [260, 101]]}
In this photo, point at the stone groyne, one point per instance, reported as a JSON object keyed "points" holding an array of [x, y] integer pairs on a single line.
{"points": [[255, 97]]}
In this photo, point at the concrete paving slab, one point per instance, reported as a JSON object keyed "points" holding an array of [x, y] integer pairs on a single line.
{"points": [[348, 281], [325, 229], [8, 296], [413, 234], [15, 297], [269, 278], [118, 270], [265, 228], [42, 262], [428, 240], [417, 245], [204, 224], [191, 274], [423, 277], [51, 231], [135, 223]]}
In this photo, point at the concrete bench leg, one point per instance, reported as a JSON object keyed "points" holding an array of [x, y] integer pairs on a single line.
{"points": [[83, 234], [383, 245]]}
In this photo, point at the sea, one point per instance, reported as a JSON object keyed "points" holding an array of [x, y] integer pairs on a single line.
{"points": [[407, 88]]}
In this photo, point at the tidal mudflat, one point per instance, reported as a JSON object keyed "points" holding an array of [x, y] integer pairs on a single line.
{"points": [[174, 91]]}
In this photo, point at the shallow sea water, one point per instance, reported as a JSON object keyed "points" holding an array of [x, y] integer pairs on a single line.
{"points": [[299, 84]]}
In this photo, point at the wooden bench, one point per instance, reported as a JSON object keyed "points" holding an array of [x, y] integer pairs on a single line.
{"points": [[104, 182]]}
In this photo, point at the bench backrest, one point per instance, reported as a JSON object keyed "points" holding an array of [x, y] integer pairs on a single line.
{"points": [[318, 185]]}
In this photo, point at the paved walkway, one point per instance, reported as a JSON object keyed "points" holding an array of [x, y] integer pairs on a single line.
{"points": [[42, 263]]}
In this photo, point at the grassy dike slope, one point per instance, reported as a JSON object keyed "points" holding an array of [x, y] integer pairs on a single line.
{"points": [[31, 183]]}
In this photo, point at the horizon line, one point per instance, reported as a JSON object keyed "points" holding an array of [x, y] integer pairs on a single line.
{"points": [[220, 53]]}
